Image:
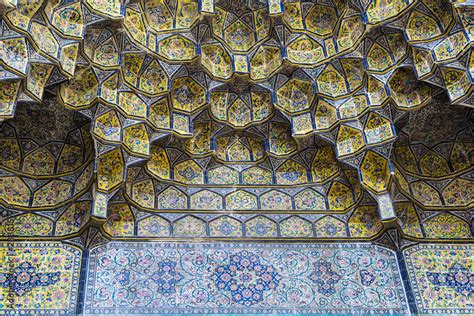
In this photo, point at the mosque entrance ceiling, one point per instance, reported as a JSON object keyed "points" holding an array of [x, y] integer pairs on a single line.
{"points": [[268, 120], [237, 118]]}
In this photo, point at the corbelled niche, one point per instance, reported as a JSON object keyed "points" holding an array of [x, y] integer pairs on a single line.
{"points": [[206, 156]]}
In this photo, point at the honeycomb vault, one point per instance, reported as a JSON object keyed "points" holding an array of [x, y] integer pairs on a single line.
{"points": [[286, 140]]}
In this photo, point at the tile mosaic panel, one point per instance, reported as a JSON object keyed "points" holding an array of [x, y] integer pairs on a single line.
{"points": [[143, 278], [229, 120], [442, 277], [39, 277], [364, 224]]}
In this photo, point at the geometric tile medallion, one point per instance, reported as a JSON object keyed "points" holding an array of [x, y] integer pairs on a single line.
{"points": [[39, 277], [152, 277], [442, 277]]}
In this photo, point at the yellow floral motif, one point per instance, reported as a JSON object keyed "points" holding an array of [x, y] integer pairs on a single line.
{"points": [[107, 7], [340, 196], [460, 157], [110, 170], [40, 162], [433, 165], [450, 46], [291, 172], [457, 82], [85, 178], [21, 16], [349, 141], [265, 62], [309, 199], [200, 144], [64, 260], [296, 226], [406, 90], [11, 153], [225, 226], [158, 15], [378, 58], [153, 226], [73, 218], [80, 91], [295, 95], [378, 129], [406, 158], [280, 140], [330, 227], [71, 159], [68, 57], [8, 94], [304, 50], [257, 176], [325, 165], [353, 107], [423, 61], [275, 200], [160, 116], [206, 200], [105, 53], [421, 27], [135, 25], [132, 105], [187, 95], [36, 81], [172, 198], [27, 225], [381, 10], [452, 260], [325, 115], [408, 219], [136, 140], [425, 194], [143, 193], [44, 39], [447, 226], [350, 31], [120, 220], [177, 48], [376, 91], [302, 124], [321, 20], [459, 193], [108, 127], [217, 61], [189, 226], [331, 82], [53, 193], [14, 53], [375, 172], [365, 222], [188, 172], [241, 200], [260, 226], [223, 175]]}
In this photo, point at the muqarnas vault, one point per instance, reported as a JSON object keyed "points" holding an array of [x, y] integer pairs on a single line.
{"points": [[245, 156]]}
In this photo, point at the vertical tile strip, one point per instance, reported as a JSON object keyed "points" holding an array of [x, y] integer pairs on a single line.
{"points": [[406, 282], [82, 282]]}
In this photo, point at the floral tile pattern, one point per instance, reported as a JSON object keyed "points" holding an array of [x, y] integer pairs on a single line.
{"points": [[148, 277], [39, 277], [236, 131], [442, 277]]}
